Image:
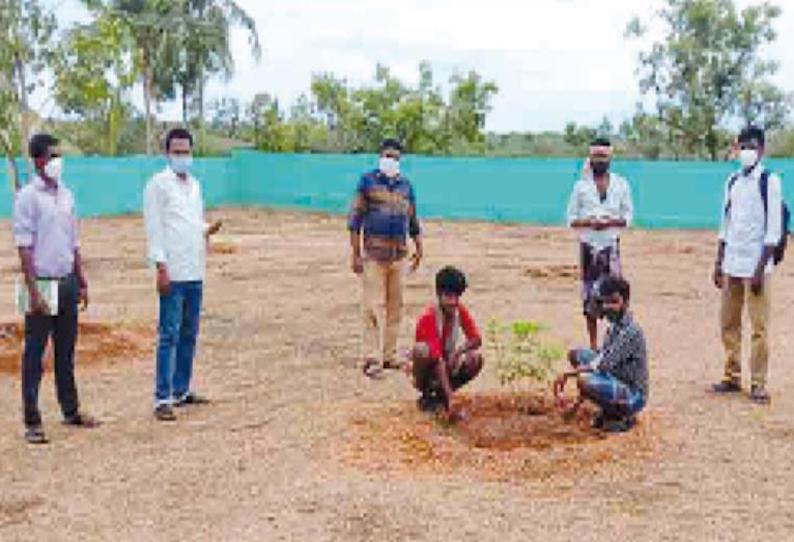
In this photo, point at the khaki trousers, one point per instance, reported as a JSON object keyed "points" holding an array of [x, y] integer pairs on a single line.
{"points": [[382, 306], [735, 293]]}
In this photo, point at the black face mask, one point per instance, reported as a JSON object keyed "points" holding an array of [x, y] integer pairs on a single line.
{"points": [[599, 168], [613, 315]]}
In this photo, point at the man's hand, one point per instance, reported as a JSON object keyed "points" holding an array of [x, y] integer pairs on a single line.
{"points": [[416, 259], [163, 280], [718, 276], [83, 296], [559, 389], [37, 303], [757, 282], [559, 386], [452, 414], [357, 264], [214, 228]]}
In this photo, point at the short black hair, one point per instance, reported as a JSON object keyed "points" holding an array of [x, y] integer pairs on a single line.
{"points": [[40, 144], [615, 285], [390, 143], [450, 280], [750, 133], [601, 141], [177, 133]]}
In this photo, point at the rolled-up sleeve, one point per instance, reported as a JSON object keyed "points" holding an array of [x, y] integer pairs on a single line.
{"points": [[153, 218], [774, 216], [24, 227]]}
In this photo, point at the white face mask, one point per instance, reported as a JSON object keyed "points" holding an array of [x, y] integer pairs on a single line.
{"points": [[180, 164], [389, 166], [748, 158], [54, 169]]}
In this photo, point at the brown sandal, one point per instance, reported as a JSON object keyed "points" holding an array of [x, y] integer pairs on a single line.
{"points": [[760, 396], [373, 368]]}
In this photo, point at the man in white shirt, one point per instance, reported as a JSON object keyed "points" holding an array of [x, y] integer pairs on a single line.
{"points": [[750, 231], [599, 207], [176, 233]]}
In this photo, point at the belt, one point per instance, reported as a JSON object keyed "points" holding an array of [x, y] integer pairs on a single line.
{"points": [[59, 279]]}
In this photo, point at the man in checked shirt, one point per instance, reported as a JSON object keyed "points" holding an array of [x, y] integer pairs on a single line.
{"points": [[385, 209], [615, 378]]}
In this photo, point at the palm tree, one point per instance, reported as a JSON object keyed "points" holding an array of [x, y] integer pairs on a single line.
{"points": [[204, 50], [149, 23]]}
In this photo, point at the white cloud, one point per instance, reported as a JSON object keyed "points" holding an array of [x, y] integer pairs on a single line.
{"points": [[554, 60]]}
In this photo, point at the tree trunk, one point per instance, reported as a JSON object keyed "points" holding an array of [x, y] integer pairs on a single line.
{"points": [[184, 105], [23, 117], [114, 124], [202, 133], [147, 97]]}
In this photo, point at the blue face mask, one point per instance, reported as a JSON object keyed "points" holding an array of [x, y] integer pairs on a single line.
{"points": [[180, 164]]}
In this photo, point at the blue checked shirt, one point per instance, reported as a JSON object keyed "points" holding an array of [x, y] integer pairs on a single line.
{"points": [[385, 209]]}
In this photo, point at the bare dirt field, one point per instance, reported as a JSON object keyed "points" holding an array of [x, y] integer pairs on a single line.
{"points": [[299, 445]]}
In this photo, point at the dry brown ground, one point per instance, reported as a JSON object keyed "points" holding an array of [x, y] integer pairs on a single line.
{"points": [[299, 446]]}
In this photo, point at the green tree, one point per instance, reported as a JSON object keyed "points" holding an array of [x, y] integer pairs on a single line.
{"points": [[706, 71], [469, 103], [334, 103], [93, 73], [200, 48], [578, 137], [147, 22], [26, 31]]}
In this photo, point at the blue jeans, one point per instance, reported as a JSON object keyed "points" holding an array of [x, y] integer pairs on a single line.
{"points": [[613, 396], [180, 311]]}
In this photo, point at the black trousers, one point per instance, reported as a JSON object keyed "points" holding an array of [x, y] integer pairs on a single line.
{"points": [[63, 329]]}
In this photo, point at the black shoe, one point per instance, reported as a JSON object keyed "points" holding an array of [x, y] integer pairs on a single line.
{"points": [[34, 434], [191, 399], [81, 420], [428, 403], [598, 421], [619, 425], [727, 386], [164, 413]]}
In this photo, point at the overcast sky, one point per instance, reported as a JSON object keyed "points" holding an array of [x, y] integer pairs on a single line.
{"points": [[554, 60]]}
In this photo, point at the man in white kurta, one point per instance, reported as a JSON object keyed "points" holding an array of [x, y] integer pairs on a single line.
{"points": [[599, 207]]}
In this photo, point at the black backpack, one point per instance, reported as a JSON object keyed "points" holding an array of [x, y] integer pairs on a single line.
{"points": [[763, 186]]}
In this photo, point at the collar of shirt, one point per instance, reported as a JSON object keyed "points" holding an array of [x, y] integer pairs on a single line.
{"points": [[754, 173], [44, 186], [626, 321], [172, 176], [385, 179]]}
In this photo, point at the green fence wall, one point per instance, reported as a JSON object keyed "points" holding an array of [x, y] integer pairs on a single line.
{"points": [[666, 194]]}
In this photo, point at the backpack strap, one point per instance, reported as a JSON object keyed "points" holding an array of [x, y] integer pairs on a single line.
{"points": [[731, 181], [763, 186]]}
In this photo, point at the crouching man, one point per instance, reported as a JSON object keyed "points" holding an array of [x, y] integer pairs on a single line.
{"points": [[441, 363], [616, 377]]}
